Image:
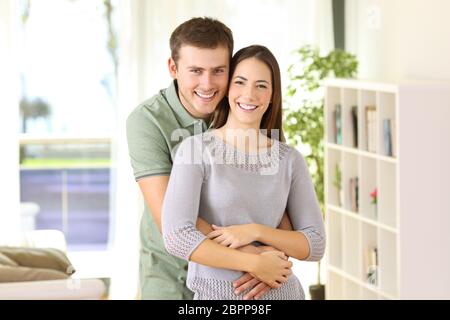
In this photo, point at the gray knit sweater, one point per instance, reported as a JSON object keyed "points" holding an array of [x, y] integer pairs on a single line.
{"points": [[225, 186]]}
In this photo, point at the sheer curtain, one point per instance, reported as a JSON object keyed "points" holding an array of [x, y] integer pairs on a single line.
{"points": [[146, 25], [9, 127]]}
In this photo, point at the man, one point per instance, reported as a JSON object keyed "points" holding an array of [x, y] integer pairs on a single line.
{"points": [[201, 50]]}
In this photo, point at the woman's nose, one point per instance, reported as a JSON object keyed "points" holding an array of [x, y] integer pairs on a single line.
{"points": [[249, 92]]}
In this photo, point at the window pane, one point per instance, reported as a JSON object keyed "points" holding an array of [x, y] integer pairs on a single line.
{"points": [[68, 66]]}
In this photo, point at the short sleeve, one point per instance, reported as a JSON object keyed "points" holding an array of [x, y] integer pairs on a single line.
{"points": [[147, 148], [303, 207]]}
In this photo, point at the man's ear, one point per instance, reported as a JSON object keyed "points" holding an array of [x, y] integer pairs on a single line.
{"points": [[172, 68]]}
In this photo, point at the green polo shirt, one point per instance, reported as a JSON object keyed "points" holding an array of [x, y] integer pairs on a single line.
{"points": [[154, 129]]}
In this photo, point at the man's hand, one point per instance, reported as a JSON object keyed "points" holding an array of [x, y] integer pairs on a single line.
{"points": [[247, 281]]}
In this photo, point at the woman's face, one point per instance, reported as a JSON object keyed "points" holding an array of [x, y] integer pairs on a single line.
{"points": [[250, 92]]}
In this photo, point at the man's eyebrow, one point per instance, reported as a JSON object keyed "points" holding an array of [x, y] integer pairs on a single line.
{"points": [[213, 68], [195, 67]]}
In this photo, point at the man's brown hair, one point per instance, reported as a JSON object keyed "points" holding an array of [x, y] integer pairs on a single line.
{"points": [[204, 32]]}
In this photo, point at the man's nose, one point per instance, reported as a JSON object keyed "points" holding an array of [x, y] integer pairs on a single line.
{"points": [[207, 81]]}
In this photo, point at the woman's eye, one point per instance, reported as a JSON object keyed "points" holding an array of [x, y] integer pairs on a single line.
{"points": [[239, 82], [261, 86]]}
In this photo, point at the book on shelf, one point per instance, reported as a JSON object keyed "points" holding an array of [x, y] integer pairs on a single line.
{"points": [[371, 264], [355, 126], [387, 137], [393, 138], [338, 124], [353, 185], [371, 128]]}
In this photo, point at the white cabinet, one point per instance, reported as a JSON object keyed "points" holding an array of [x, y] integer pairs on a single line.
{"points": [[395, 139]]}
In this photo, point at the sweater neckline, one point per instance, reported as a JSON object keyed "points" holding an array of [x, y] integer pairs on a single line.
{"points": [[230, 147]]}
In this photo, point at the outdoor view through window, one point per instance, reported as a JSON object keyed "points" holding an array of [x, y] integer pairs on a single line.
{"points": [[68, 66]]}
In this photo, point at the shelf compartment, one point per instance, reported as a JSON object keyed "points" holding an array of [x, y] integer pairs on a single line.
{"points": [[350, 181], [349, 119], [333, 159], [332, 99], [387, 124], [368, 183], [351, 290], [367, 98], [367, 294], [335, 286], [388, 262], [369, 265], [387, 194], [351, 247], [335, 234]]}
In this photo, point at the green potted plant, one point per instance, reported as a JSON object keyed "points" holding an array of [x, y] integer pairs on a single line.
{"points": [[303, 114], [337, 183]]}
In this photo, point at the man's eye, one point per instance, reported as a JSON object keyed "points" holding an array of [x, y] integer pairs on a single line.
{"points": [[195, 71], [218, 71]]}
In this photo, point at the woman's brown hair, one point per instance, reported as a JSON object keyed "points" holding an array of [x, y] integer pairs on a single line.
{"points": [[272, 118]]}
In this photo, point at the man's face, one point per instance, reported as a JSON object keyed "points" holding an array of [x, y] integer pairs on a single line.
{"points": [[202, 77]]}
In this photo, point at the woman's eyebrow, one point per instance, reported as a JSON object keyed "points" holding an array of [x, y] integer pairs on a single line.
{"points": [[245, 79]]}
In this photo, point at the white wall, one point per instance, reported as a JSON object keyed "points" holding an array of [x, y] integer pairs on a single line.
{"points": [[281, 25], [9, 127], [410, 41]]}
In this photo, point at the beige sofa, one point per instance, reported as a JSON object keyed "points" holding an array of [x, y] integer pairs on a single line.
{"points": [[33, 263]]}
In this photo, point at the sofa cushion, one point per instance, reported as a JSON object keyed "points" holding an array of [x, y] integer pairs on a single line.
{"points": [[17, 273], [43, 258], [4, 260]]}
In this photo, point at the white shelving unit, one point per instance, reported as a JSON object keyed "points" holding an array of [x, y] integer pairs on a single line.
{"points": [[410, 224]]}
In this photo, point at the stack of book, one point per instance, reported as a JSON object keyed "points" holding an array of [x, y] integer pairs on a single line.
{"points": [[389, 137], [353, 192], [371, 128], [355, 125], [337, 115], [371, 264]]}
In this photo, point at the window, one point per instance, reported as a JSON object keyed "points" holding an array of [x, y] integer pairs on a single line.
{"points": [[68, 72]]}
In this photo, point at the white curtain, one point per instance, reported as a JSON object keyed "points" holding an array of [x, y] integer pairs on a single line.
{"points": [[145, 28], [9, 127]]}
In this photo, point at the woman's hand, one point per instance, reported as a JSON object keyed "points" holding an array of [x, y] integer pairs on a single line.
{"points": [[233, 236], [256, 287], [273, 268]]}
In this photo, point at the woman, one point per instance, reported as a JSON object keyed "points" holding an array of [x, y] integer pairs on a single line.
{"points": [[242, 178]]}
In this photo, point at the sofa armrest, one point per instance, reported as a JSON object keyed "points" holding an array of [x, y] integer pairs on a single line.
{"points": [[69, 289]]}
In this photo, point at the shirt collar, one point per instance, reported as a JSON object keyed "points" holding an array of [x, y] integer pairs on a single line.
{"points": [[181, 113]]}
